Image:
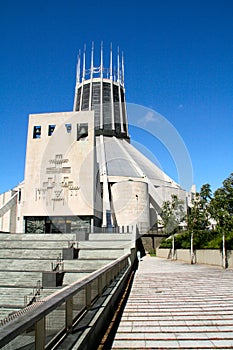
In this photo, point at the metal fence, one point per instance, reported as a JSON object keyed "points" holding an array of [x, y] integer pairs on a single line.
{"points": [[41, 324]]}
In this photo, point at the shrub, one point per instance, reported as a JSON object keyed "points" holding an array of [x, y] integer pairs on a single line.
{"points": [[201, 240]]}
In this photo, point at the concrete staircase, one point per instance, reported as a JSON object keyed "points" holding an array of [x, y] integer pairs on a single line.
{"points": [[98, 251], [23, 257], [175, 305]]}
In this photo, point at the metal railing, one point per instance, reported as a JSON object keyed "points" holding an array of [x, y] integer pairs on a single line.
{"points": [[33, 296], [58, 264], [42, 323]]}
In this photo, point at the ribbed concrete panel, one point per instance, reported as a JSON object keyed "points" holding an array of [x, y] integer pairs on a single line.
{"points": [[118, 164], [123, 159], [148, 168]]}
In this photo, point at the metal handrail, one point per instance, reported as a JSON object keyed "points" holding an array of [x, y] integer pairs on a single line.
{"points": [[30, 316]]}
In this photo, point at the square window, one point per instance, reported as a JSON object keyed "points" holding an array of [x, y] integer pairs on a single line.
{"points": [[37, 132], [51, 129], [82, 131]]}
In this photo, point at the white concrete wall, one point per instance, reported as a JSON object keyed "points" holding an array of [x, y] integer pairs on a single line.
{"points": [[209, 257], [128, 208], [19, 216], [60, 171], [230, 258], [202, 256], [11, 221], [5, 219], [163, 253]]}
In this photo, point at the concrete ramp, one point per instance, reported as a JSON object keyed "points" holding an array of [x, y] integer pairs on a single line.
{"points": [[8, 205], [174, 305]]}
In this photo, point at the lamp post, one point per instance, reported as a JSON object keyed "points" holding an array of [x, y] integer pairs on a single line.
{"points": [[137, 208]]}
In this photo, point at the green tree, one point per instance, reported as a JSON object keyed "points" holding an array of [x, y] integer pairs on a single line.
{"points": [[172, 214], [205, 193], [198, 214], [221, 208], [221, 205]]}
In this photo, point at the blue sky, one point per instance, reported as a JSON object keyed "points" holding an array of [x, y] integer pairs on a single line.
{"points": [[178, 62]]}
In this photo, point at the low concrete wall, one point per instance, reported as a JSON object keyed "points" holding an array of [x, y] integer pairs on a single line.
{"points": [[163, 253], [182, 254], [202, 256], [209, 257], [230, 259]]}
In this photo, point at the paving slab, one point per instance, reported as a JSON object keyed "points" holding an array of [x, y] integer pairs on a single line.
{"points": [[175, 305]]}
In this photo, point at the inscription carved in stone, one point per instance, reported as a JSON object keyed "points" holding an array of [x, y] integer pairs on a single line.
{"points": [[57, 188]]}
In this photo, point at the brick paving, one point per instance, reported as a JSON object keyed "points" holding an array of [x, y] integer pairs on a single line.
{"points": [[175, 305]]}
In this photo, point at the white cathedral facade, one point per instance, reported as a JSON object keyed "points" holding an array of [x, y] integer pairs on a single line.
{"points": [[81, 171]]}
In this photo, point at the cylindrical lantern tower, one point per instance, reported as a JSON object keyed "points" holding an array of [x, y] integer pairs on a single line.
{"points": [[102, 89]]}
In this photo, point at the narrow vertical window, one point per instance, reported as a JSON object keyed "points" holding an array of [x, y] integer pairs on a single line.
{"points": [[37, 132], [51, 129], [19, 195], [82, 131], [68, 128]]}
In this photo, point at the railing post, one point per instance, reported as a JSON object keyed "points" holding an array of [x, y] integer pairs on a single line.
{"points": [[109, 276], [69, 313], [104, 280], [88, 295], [40, 334], [114, 272], [119, 267], [100, 285]]}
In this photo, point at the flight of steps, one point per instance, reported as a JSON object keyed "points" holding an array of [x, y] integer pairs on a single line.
{"points": [[98, 251], [174, 305], [23, 257]]}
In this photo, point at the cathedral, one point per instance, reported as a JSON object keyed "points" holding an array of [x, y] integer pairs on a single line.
{"points": [[81, 171]]}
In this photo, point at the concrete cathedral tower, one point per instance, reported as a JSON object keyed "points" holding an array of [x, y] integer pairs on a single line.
{"points": [[81, 172], [102, 90]]}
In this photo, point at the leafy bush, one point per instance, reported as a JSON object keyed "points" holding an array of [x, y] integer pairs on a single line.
{"points": [[201, 240], [152, 252]]}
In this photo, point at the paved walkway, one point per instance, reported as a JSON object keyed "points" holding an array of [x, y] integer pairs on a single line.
{"points": [[174, 305]]}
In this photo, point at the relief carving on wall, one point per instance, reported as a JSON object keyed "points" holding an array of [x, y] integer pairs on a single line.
{"points": [[58, 188]]}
